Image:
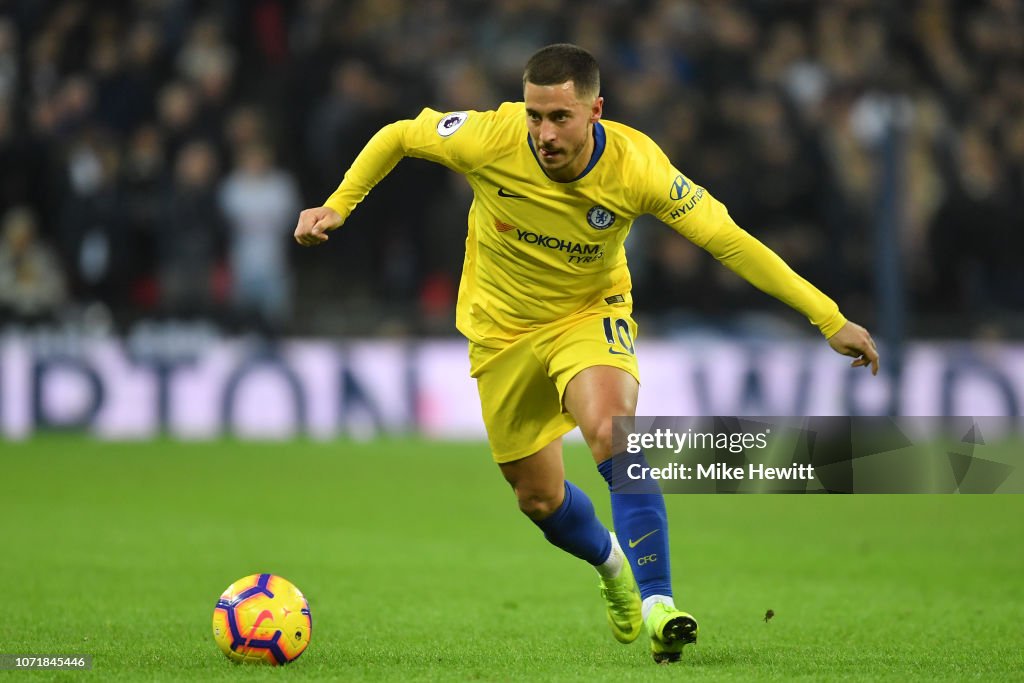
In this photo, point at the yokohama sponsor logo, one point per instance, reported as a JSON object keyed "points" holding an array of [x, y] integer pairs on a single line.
{"points": [[501, 226], [568, 246]]}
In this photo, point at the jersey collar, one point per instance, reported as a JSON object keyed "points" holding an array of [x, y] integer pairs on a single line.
{"points": [[599, 141]]}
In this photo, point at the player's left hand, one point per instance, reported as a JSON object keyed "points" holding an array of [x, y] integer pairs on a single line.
{"points": [[853, 340]]}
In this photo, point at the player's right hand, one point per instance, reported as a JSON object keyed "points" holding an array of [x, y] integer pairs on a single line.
{"points": [[314, 224]]}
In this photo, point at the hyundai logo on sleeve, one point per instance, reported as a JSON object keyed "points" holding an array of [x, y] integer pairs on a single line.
{"points": [[680, 187]]}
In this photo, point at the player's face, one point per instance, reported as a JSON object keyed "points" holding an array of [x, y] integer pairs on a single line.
{"points": [[560, 125]]}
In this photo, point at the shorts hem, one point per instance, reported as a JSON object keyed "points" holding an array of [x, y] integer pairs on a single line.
{"points": [[540, 442], [632, 370]]}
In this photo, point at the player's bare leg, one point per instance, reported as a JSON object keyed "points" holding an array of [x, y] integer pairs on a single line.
{"points": [[566, 516], [593, 397], [538, 481]]}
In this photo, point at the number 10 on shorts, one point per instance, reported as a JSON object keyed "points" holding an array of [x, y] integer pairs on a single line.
{"points": [[620, 334]]}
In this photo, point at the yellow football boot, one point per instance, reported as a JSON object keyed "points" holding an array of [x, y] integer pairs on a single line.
{"points": [[623, 598], [670, 630]]}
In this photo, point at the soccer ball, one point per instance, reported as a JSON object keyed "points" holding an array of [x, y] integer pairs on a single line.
{"points": [[262, 618]]}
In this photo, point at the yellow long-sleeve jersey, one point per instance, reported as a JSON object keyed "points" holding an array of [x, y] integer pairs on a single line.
{"points": [[539, 250]]}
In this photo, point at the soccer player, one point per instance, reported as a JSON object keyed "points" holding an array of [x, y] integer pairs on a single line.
{"points": [[545, 303]]}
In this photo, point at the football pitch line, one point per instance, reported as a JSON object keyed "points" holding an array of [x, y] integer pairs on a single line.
{"points": [[417, 566]]}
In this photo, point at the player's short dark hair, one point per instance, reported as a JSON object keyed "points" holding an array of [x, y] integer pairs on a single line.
{"points": [[561, 62]]}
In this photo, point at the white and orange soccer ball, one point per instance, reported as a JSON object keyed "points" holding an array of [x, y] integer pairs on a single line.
{"points": [[262, 618]]}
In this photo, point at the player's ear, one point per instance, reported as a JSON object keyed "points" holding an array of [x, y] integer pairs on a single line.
{"points": [[596, 109]]}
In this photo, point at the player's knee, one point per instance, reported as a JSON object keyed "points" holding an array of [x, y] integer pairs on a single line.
{"points": [[599, 439], [537, 504]]}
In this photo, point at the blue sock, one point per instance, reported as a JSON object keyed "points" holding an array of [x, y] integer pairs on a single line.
{"points": [[574, 528], [638, 511]]}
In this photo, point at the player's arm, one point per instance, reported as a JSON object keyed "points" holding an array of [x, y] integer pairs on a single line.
{"points": [[691, 211], [431, 136]]}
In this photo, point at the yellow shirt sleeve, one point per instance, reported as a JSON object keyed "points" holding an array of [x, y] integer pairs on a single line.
{"points": [[691, 211], [760, 266], [450, 139]]}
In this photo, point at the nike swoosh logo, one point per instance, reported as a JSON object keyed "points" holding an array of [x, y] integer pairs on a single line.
{"points": [[502, 193], [263, 616], [633, 544], [620, 353]]}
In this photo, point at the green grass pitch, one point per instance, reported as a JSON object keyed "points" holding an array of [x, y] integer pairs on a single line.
{"points": [[418, 566]]}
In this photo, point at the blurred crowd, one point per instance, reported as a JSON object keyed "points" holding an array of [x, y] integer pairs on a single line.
{"points": [[154, 153]]}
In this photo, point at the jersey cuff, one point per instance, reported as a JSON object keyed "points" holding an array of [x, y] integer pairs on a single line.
{"points": [[336, 206], [832, 325]]}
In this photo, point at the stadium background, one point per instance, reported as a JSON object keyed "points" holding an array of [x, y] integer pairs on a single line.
{"points": [[153, 157]]}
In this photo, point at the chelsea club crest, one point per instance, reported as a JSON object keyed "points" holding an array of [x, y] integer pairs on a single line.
{"points": [[600, 218]]}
